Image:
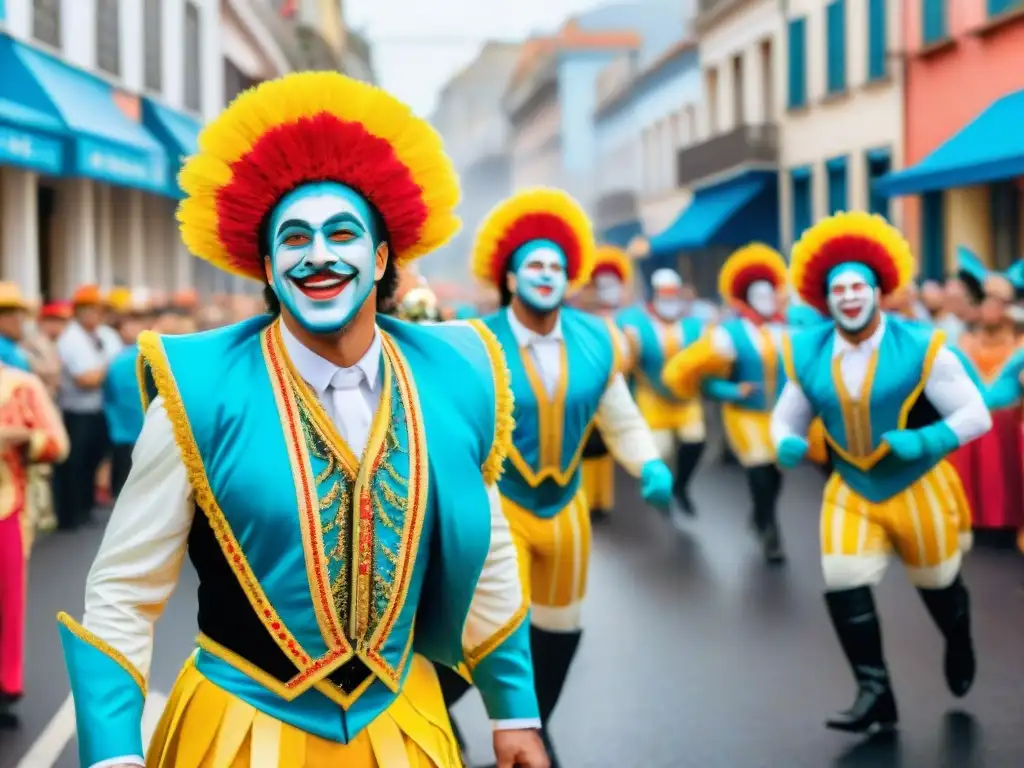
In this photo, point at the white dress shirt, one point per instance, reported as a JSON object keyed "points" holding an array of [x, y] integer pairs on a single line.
{"points": [[949, 388], [618, 419], [146, 540]]}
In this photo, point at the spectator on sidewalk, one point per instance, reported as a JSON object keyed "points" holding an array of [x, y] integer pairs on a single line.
{"points": [[85, 353], [13, 309], [41, 343]]}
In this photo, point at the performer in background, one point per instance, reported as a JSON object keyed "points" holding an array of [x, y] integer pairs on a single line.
{"points": [[738, 363], [990, 467], [31, 433], [657, 335], [609, 284], [566, 378], [337, 502], [13, 310], [895, 401]]}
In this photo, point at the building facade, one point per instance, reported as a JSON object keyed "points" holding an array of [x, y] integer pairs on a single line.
{"points": [[108, 97], [841, 123], [964, 104], [475, 130]]}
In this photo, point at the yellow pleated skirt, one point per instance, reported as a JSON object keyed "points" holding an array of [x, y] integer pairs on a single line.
{"points": [[205, 726], [599, 482], [748, 434], [659, 413]]}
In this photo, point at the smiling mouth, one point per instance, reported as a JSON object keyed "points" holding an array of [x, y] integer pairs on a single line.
{"points": [[545, 290], [852, 311], [323, 286]]}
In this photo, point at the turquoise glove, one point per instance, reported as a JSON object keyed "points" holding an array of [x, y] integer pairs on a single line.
{"points": [[933, 441], [656, 484], [791, 451]]}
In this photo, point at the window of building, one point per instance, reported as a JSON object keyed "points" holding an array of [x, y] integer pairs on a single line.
{"points": [[108, 36], [46, 21], [1004, 208], [153, 40], [738, 92], [767, 80], [933, 21], [877, 44], [837, 185], [933, 236], [879, 163], [797, 63], [711, 88], [803, 199], [192, 58], [835, 23]]}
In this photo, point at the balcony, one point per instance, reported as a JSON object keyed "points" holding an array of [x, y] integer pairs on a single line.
{"points": [[709, 12], [746, 145]]}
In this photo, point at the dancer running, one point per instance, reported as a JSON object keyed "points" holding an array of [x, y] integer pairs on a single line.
{"points": [[895, 401]]}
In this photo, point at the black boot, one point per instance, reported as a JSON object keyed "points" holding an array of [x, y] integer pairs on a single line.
{"points": [[765, 484], [950, 609], [453, 688], [687, 458], [8, 719], [553, 653], [853, 616]]}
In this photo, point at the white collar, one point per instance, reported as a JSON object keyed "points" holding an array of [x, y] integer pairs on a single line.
{"points": [[525, 337], [871, 343], [318, 372]]}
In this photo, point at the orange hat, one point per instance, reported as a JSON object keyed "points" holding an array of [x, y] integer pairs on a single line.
{"points": [[186, 298], [87, 295], [56, 309], [11, 297]]}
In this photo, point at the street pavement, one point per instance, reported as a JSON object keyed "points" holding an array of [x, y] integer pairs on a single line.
{"points": [[695, 655]]}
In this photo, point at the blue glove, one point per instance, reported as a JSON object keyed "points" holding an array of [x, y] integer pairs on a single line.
{"points": [[791, 451], [933, 441], [656, 484]]}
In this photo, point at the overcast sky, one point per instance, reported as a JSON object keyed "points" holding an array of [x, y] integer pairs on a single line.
{"points": [[418, 45]]}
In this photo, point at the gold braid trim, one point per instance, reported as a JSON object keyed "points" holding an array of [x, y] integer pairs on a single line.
{"points": [[103, 647], [482, 651], [504, 402]]}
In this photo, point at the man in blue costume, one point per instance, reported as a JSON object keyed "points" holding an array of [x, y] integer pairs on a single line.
{"points": [[894, 401], [566, 377], [339, 507]]}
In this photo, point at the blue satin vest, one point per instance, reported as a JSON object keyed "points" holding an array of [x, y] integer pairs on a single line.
{"points": [[542, 470], [652, 358], [122, 403], [891, 398], [759, 367], [339, 557]]}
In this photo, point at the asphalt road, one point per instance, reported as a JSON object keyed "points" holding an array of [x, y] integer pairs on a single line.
{"points": [[695, 655]]}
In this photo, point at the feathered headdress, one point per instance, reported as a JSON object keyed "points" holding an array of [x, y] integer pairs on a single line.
{"points": [[534, 214], [310, 127], [749, 264], [608, 258], [852, 236]]}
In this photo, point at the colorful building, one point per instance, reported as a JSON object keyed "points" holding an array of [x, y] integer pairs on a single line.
{"points": [[964, 151], [841, 128]]}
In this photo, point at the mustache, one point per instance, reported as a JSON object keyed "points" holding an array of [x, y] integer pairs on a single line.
{"points": [[337, 269]]}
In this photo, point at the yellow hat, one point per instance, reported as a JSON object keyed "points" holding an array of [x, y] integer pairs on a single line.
{"points": [[119, 299], [11, 296]]}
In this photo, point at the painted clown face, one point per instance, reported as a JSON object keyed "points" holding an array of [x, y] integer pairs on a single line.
{"points": [[540, 275], [853, 297], [323, 255], [667, 299], [763, 299], [609, 289]]}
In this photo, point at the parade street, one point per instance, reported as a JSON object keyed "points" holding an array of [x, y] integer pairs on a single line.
{"points": [[694, 654]]}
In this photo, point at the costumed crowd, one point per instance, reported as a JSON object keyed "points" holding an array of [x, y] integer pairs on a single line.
{"points": [[388, 501]]}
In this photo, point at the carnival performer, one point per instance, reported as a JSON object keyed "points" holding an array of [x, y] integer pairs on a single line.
{"points": [[990, 467], [612, 273], [566, 379], [657, 334], [349, 528], [13, 310], [738, 363], [31, 433], [895, 401]]}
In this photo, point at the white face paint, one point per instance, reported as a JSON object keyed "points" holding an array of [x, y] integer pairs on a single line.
{"points": [[763, 299], [667, 301], [609, 289], [541, 280], [852, 300]]}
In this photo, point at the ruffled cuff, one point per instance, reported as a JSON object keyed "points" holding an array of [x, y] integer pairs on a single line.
{"points": [[504, 678], [109, 694]]}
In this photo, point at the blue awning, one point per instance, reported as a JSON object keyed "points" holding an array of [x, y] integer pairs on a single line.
{"points": [[178, 132], [989, 148], [621, 234], [732, 213], [101, 141], [31, 131]]}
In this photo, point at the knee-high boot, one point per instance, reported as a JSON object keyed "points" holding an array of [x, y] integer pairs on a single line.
{"points": [[951, 610], [765, 484], [553, 653], [687, 458], [856, 624], [453, 688]]}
